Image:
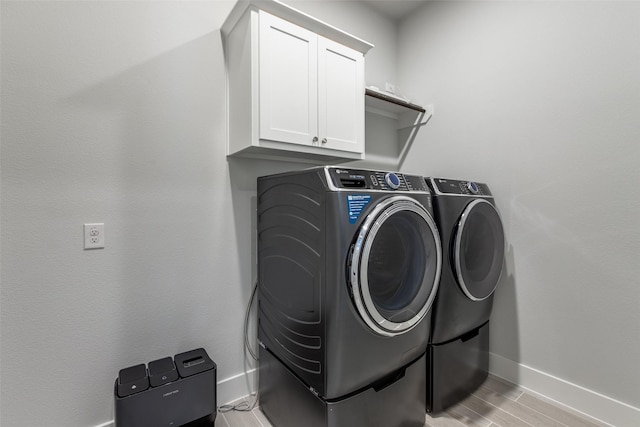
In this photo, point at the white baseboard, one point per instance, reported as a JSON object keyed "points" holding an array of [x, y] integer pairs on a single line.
{"points": [[565, 393], [238, 386], [228, 390]]}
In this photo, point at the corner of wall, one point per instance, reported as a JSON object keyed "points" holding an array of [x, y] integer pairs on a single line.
{"points": [[565, 393]]}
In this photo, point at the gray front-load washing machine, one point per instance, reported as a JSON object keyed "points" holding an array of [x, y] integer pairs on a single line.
{"points": [[349, 263], [473, 254]]}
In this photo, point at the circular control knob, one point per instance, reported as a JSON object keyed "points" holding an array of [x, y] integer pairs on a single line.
{"points": [[473, 187], [392, 180]]}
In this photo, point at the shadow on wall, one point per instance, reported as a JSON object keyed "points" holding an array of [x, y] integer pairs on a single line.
{"points": [[505, 334], [243, 176]]}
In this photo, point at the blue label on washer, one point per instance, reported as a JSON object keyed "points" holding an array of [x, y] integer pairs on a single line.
{"points": [[356, 204]]}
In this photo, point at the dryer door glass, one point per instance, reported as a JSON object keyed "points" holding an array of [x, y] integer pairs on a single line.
{"points": [[395, 266], [479, 250]]}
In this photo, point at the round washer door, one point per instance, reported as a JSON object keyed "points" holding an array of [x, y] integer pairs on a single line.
{"points": [[478, 250], [394, 267]]}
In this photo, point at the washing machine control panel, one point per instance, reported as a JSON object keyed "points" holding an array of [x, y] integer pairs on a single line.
{"points": [[467, 188], [362, 179]]}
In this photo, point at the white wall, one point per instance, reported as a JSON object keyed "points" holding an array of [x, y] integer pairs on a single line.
{"points": [[114, 112], [541, 100]]}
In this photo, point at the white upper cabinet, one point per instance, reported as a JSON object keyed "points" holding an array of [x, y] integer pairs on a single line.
{"points": [[340, 100], [293, 93], [288, 81]]}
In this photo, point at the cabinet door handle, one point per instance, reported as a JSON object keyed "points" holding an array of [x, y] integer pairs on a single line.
{"points": [[315, 139], [324, 140]]}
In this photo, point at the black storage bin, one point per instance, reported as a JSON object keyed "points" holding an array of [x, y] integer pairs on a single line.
{"points": [[178, 392]]}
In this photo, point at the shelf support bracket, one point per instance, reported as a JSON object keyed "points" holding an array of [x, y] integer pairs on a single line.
{"points": [[411, 132]]}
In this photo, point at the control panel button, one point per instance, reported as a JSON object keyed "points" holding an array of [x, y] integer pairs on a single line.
{"points": [[392, 180], [473, 187]]}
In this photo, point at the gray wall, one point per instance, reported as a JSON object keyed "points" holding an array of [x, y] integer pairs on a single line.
{"points": [[114, 112], [541, 100]]}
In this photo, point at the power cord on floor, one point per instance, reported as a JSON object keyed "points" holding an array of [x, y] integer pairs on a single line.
{"points": [[243, 406]]}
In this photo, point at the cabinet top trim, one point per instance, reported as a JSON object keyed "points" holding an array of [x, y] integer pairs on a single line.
{"points": [[287, 12]]}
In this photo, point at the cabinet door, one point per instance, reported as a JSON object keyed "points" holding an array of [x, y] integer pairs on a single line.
{"points": [[288, 82], [340, 96]]}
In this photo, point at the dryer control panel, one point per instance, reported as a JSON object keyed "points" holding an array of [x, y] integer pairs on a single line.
{"points": [[465, 188], [362, 179]]}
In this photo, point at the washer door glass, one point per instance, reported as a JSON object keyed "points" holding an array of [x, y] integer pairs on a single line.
{"points": [[395, 266], [478, 250]]}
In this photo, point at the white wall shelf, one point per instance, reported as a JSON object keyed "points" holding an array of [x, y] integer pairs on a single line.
{"points": [[388, 148], [390, 103]]}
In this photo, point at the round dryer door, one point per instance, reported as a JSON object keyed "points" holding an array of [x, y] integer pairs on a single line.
{"points": [[478, 250], [394, 267]]}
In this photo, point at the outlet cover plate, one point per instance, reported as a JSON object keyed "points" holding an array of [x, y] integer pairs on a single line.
{"points": [[94, 236]]}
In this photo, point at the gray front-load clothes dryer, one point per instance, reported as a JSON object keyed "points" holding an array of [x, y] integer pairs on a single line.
{"points": [[349, 263], [473, 255]]}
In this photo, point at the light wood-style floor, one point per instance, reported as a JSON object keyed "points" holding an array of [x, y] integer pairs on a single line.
{"points": [[495, 404]]}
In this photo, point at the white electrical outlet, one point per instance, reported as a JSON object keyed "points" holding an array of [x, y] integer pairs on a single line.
{"points": [[94, 236]]}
